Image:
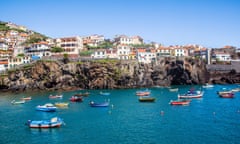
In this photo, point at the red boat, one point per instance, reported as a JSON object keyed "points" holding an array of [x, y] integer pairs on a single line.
{"points": [[180, 102], [76, 99], [227, 95]]}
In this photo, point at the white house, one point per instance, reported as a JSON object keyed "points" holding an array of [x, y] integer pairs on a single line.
{"points": [[123, 51], [221, 56], [39, 49], [146, 55], [15, 61], [99, 54], [180, 52]]}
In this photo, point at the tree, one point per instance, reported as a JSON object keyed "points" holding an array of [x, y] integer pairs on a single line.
{"points": [[65, 58], [57, 49]]}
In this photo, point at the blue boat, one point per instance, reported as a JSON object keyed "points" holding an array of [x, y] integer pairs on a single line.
{"points": [[52, 123], [103, 104], [48, 107]]}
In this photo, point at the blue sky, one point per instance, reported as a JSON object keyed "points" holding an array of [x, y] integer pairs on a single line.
{"points": [[211, 23]]}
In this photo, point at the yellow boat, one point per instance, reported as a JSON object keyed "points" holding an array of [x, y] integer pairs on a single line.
{"points": [[61, 104]]}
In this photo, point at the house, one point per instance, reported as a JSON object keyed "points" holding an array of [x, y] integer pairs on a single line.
{"points": [[221, 56], [123, 39], [180, 51], [93, 40], [71, 45], [3, 64], [99, 54], [123, 51], [163, 52], [39, 49], [16, 61], [111, 53], [146, 55]]}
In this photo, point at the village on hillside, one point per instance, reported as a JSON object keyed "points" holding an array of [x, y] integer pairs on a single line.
{"points": [[20, 46]]}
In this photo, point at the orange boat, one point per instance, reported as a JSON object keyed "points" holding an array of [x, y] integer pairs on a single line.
{"points": [[26, 98], [180, 102]]}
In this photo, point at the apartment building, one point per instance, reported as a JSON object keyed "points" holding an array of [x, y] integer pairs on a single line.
{"points": [[39, 49], [71, 45]]}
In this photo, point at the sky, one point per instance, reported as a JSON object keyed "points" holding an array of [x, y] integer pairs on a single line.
{"points": [[210, 23]]}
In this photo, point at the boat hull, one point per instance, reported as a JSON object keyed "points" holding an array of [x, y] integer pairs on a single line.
{"points": [[180, 102], [57, 122], [104, 104], [149, 99]]}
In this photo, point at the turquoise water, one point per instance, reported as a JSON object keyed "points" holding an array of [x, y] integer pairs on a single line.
{"points": [[207, 120]]}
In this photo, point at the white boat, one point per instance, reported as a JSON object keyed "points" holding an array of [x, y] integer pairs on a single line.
{"points": [[208, 85], [18, 102], [173, 89]]}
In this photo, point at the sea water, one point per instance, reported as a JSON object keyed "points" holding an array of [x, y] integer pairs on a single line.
{"points": [[210, 119]]}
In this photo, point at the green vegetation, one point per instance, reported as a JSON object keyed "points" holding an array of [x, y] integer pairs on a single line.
{"points": [[20, 55], [3, 26], [57, 49], [65, 58], [103, 45], [34, 38], [141, 45], [86, 53], [106, 61]]}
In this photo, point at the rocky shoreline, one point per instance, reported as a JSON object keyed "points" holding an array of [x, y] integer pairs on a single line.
{"points": [[55, 75]]}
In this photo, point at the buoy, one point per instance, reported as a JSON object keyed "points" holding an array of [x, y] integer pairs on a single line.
{"points": [[162, 112]]}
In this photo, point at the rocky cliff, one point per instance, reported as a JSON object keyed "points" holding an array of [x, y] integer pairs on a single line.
{"points": [[52, 75]]}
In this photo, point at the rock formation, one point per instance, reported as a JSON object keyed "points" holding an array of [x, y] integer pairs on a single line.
{"points": [[55, 75]]}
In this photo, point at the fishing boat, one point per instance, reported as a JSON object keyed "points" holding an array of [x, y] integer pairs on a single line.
{"points": [[26, 98], [208, 85], [76, 99], [227, 95], [104, 93], [61, 104], [103, 104], [180, 102], [55, 96], [82, 94], [52, 123], [48, 107], [191, 94], [18, 102], [224, 91], [146, 99], [143, 92]]}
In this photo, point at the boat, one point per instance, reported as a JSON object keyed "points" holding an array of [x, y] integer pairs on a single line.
{"points": [[146, 99], [235, 90], [55, 96], [191, 94], [227, 95], [104, 93], [48, 107], [52, 123], [26, 98], [61, 104], [143, 92], [82, 94], [208, 85], [180, 102], [17, 102], [173, 89], [103, 104], [224, 91], [76, 99]]}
